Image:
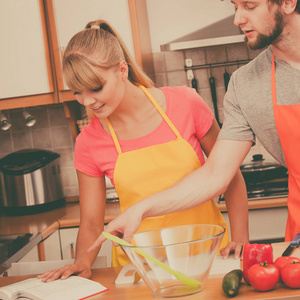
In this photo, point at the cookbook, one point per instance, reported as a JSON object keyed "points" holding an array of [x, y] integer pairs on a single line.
{"points": [[72, 288]]}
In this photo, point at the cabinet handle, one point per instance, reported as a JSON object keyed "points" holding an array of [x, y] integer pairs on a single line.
{"points": [[72, 250]]}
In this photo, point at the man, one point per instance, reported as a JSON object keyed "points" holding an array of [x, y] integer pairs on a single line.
{"points": [[263, 101]]}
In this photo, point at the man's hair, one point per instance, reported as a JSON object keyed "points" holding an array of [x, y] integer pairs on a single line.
{"points": [[279, 2]]}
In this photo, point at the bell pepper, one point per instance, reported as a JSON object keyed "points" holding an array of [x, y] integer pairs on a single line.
{"points": [[256, 253]]}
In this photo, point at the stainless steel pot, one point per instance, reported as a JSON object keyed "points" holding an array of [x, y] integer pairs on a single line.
{"points": [[30, 178], [259, 171]]}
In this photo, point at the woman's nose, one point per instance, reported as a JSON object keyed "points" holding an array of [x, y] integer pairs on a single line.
{"points": [[88, 100]]}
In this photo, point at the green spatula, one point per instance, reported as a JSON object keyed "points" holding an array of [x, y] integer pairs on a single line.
{"points": [[185, 279]]}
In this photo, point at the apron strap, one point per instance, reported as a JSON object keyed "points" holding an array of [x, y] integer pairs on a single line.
{"points": [[114, 136], [273, 81], [160, 110]]}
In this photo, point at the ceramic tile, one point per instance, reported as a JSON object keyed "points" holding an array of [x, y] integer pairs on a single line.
{"points": [[22, 140], [41, 116], [215, 54], [57, 116], [201, 75], [161, 79], [66, 156], [17, 120], [42, 138], [61, 136], [237, 52], [68, 177], [177, 78], [5, 142], [70, 191], [206, 96], [174, 60], [159, 62], [197, 56]]}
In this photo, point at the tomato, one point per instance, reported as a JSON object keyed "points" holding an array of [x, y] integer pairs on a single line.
{"points": [[281, 261], [263, 277], [290, 275]]}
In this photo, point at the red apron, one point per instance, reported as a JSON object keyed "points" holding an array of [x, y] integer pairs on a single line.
{"points": [[287, 120]]}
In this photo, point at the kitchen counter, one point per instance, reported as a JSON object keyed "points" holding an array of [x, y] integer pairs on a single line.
{"points": [[212, 290], [69, 216], [45, 223], [42, 225], [48, 222]]}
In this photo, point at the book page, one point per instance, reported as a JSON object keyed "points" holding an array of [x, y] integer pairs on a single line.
{"points": [[9, 290], [73, 288]]}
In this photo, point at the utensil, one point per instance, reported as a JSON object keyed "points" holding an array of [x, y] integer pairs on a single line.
{"points": [[226, 77], [258, 170], [214, 98], [292, 246], [185, 279], [195, 84]]}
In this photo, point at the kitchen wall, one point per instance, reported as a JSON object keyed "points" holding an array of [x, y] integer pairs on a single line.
{"points": [[51, 132], [169, 70]]}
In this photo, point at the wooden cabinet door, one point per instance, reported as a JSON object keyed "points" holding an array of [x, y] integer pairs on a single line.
{"points": [[68, 238], [25, 64], [71, 16]]}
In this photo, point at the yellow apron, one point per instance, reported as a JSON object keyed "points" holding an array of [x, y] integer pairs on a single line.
{"points": [[143, 172]]}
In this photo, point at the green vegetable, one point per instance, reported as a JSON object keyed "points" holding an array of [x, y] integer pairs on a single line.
{"points": [[231, 282]]}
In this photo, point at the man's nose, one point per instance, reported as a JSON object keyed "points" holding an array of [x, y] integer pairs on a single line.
{"points": [[239, 18]]}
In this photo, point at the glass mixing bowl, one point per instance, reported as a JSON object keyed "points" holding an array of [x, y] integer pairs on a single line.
{"points": [[189, 249]]}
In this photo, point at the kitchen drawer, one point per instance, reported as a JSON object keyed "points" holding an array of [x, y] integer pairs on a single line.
{"points": [[265, 224], [68, 238]]}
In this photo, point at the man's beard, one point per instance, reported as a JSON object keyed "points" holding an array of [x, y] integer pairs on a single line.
{"points": [[264, 40]]}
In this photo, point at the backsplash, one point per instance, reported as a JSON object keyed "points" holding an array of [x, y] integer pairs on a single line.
{"points": [[170, 70], [50, 132]]}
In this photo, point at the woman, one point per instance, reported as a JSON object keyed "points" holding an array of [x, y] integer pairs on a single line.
{"points": [[143, 138]]}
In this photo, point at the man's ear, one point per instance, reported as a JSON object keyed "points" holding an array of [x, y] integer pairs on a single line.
{"points": [[289, 6], [123, 69]]}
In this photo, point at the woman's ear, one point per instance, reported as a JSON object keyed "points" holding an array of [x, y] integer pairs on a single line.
{"points": [[123, 67]]}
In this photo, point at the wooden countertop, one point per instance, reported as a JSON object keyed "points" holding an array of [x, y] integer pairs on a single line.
{"points": [[212, 290], [49, 221], [69, 216], [260, 204]]}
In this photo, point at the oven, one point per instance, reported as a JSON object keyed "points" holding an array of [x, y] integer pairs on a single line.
{"points": [[264, 180]]}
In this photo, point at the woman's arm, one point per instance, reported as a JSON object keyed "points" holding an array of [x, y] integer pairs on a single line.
{"points": [[92, 195], [237, 206], [236, 201]]}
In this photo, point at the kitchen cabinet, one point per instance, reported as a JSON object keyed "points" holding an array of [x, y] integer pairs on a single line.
{"points": [[71, 16], [36, 33], [68, 244], [265, 224], [25, 72]]}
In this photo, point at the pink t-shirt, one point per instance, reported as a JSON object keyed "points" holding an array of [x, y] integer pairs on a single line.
{"points": [[95, 151]]}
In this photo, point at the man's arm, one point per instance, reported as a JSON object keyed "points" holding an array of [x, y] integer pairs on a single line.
{"points": [[203, 184]]}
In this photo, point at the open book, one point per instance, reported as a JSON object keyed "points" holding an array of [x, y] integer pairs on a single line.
{"points": [[72, 288]]}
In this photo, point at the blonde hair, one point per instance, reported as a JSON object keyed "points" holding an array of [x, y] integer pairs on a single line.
{"points": [[97, 47]]}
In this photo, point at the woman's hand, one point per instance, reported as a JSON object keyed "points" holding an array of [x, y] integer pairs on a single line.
{"points": [[232, 247], [123, 226], [66, 271]]}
